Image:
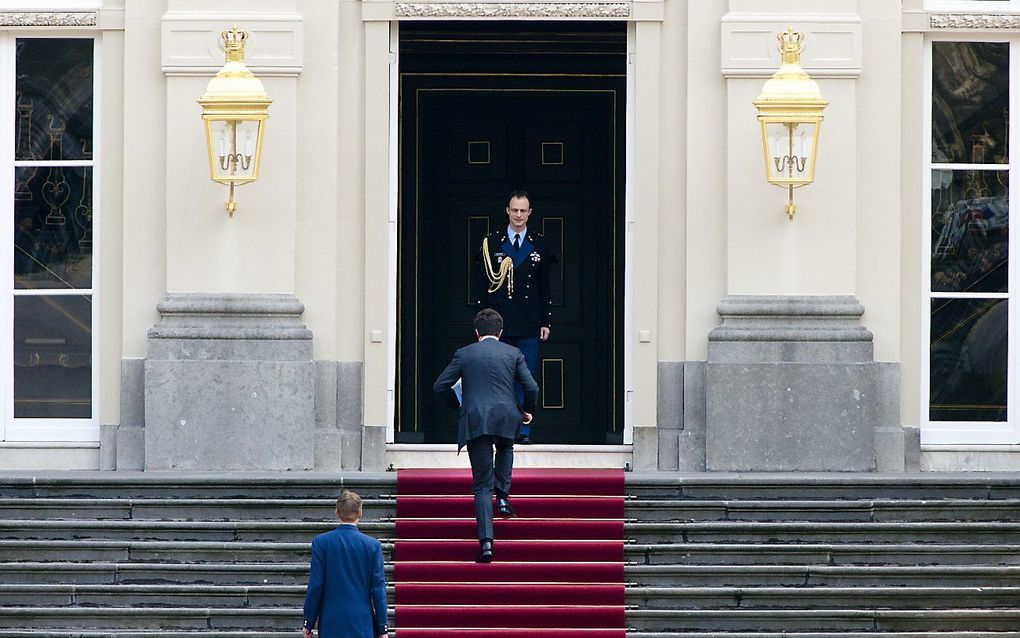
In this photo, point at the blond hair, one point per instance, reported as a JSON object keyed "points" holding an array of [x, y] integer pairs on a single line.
{"points": [[348, 506]]}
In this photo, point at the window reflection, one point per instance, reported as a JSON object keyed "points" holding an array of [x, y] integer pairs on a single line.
{"points": [[970, 102], [53, 98], [53, 356], [970, 231], [53, 229], [969, 342]]}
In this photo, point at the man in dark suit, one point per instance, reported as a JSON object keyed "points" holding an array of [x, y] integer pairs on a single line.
{"points": [[512, 277], [346, 587], [489, 415]]}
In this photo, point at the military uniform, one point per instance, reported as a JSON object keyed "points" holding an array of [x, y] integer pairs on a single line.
{"points": [[522, 296]]}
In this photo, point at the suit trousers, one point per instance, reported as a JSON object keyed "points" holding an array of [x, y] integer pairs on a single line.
{"points": [[489, 477], [529, 348]]}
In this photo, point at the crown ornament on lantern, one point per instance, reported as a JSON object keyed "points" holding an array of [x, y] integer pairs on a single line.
{"points": [[791, 43], [233, 44]]}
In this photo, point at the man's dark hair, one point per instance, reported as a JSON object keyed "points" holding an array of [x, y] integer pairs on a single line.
{"points": [[518, 195], [488, 322]]}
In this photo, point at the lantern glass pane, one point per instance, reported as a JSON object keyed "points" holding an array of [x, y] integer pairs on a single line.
{"points": [[790, 150], [234, 148]]}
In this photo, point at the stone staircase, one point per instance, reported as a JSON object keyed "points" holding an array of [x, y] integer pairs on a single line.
{"points": [[128, 555]]}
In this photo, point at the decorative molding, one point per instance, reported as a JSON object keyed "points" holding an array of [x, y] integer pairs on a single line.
{"points": [[512, 9], [191, 44], [49, 18], [833, 47], [974, 21]]}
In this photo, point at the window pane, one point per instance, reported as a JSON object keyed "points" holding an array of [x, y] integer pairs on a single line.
{"points": [[53, 357], [54, 99], [53, 227], [968, 359], [970, 102], [969, 231]]}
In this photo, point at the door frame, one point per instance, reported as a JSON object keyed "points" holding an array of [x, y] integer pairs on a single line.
{"points": [[372, 399]]}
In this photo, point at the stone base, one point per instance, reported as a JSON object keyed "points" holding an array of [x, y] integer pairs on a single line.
{"points": [[791, 385], [229, 385], [780, 417]]}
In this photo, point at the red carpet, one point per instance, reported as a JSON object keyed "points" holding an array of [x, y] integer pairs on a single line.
{"points": [[558, 568]]}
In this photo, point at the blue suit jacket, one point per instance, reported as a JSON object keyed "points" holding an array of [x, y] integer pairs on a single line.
{"points": [[488, 370], [346, 586]]}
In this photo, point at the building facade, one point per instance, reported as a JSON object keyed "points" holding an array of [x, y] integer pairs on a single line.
{"points": [[696, 327]]}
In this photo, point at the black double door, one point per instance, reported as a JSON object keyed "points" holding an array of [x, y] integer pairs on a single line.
{"points": [[465, 147]]}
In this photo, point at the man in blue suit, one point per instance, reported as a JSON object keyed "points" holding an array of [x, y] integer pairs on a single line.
{"points": [[489, 415], [346, 587]]}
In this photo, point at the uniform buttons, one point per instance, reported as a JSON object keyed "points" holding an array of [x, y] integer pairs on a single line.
{"points": [[525, 296]]}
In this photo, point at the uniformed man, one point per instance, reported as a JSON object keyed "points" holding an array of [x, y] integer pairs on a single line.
{"points": [[514, 280]]}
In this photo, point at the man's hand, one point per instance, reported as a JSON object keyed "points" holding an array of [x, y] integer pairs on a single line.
{"points": [[527, 418], [307, 632], [543, 334]]}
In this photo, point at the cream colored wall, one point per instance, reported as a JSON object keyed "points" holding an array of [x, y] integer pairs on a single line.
{"points": [[350, 301], [705, 163], [672, 231], [144, 192], [912, 140], [318, 144], [111, 207], [878, 136]]}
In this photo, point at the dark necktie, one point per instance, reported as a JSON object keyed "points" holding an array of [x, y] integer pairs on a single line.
{"points": [[517, 241]]}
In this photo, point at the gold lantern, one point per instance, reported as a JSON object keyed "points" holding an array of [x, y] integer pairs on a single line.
{"points": [[790, 111], [234, 107]]}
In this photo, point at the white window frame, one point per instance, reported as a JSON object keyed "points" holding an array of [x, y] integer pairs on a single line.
{"points": [[972, 432], [43, 430]]}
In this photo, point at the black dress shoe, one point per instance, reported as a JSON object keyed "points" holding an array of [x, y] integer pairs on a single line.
{"points": [[503, 507], [485, 552], [523, 440]]}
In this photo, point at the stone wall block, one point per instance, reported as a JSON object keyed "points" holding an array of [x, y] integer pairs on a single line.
{"points": [[230, 384], [791, 385]]}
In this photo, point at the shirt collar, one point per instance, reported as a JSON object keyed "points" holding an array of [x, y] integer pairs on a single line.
{"points": [[510, 233], [489, 337]]}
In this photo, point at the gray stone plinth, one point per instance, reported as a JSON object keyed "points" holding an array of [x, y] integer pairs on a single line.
{"points": [[373, 448], [230, 384], [791, 385], [646, 448]]}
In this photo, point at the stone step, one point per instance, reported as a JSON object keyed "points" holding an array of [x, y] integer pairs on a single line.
{"points": [[268, 596], [823, 485], [821, 554], [233, 573], [803, 634], [821, 575], [866, 510], [140, 551], [117, 633], [253, 531], [825, 532], [381, 509], [977, 533], [641, 620], [204, 485], [823, 597], [802, 620], [185, 509], [661, 485], [133, 595], [123, 551]]}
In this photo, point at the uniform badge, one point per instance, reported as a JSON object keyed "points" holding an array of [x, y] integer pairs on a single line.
{"points": [[535, 257]]}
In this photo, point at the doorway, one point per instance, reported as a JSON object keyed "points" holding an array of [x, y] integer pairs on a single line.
{"points": [[486, 108]]}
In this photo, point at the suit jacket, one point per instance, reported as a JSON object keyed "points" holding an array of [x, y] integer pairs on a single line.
{"points": [[528, 308], [346, 586], [488, 370]]}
